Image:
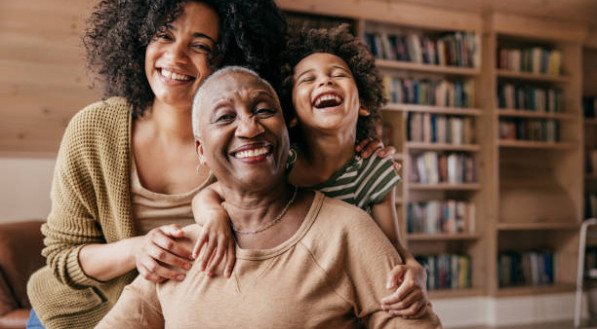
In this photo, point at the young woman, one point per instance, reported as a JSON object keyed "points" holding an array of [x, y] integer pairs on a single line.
{"points": [[126, 166]]}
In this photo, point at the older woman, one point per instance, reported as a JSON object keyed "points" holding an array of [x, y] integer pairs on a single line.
{"points": [[126, 165], [295, 273]]}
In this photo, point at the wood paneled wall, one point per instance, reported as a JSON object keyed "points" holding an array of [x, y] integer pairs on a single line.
{"points": [[43, 80]]}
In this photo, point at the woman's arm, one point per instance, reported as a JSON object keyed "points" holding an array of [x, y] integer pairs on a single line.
{"points": [[409, 280], [158, 256]]}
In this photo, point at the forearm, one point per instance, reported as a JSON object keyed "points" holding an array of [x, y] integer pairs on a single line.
{"points": [[206, 201], [105, 262]]}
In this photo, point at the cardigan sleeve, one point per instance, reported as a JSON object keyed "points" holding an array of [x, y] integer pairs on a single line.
{"points": [[72, 222]]}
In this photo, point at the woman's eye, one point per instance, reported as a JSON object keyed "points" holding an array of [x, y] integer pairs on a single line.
{"points": [[265, 112], [163, 36], [225, 118], [201, 48]]}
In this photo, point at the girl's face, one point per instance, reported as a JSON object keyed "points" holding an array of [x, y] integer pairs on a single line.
{"points": [[325, 94], [176, 59]]}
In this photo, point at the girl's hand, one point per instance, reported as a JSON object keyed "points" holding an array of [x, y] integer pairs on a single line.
{"points": [[216, 241], [368, 146], [159, 256], [410, 299]]}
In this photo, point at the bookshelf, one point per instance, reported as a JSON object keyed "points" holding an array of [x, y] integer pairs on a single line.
{"points": [[534, 116], [526, 193]]}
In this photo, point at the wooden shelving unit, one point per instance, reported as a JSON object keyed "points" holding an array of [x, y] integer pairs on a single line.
{"points": [[532, 209], [517, 181]]}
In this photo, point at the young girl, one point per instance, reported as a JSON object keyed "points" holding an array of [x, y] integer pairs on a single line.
{"points": [[332, 94]]}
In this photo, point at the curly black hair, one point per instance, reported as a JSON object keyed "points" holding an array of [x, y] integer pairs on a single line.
{"points": [[340, 42], [252, 34]]}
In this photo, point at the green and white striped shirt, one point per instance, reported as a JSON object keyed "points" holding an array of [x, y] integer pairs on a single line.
{"points": [[361, 182]]}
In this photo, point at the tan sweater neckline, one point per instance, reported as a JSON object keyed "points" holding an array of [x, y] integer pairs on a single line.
{"points": [[262, 254]]}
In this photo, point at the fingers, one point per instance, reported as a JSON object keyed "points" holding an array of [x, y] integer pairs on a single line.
{"points": [[155, 271], [165, 237], [362, 144], [372, 146], [414, 297], [415, 310], [230, 259], [218, 255], [395, 276], [386, 151], [201, 241], [208, 254]]}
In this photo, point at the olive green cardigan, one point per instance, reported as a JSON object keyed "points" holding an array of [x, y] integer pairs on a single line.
{"points": [[91, 203]]}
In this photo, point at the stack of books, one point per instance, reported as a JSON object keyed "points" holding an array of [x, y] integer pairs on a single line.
{"points": [[525, 97], [445, 216], [447, 271], [529, 130], [530, 268], [539, 60], [437, 92], [443, 167], [453, 49], [431, 128]]}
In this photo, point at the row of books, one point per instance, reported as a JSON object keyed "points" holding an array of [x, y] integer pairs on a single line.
{"points": [[443, 167], [589, 105], [432, 128], [529, 130], [437, 92], [525, 97], [531, 268], [538, 60], [445, 216], [447, 271], [453, 49]]}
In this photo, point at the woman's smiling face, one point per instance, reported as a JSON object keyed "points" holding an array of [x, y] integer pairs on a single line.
{"points": [[324, 94], [177, 58], [243, 134]]}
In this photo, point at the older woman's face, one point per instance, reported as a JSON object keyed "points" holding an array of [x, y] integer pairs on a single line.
{"points": [[176, 60], [243, 134]]}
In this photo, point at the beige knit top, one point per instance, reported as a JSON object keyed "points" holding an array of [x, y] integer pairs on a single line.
{"points": [[152, 209]]}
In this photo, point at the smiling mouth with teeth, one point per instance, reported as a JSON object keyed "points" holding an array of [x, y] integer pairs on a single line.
{"points": [[327, 100], [175, 76], [252, 153]]}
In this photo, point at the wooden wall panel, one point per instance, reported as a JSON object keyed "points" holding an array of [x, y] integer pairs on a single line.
{"points": [[43, 80]]}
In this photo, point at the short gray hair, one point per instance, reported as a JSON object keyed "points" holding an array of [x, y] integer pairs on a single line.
{"points": [[210, 80]]}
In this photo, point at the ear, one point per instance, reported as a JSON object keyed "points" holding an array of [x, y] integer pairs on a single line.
{"points": [[364, 112], [199, 148], [293, 122]]}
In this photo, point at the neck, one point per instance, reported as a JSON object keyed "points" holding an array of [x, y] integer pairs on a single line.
{"points": [[325, 154], [173, 124], [251, 210]]}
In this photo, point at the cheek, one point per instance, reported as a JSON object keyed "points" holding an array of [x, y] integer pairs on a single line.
{"points": [[301, 99]]}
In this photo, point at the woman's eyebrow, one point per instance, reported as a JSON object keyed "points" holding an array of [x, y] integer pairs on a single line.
{"points": [[195, 34]]}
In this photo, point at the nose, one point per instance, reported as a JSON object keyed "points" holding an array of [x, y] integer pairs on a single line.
{"points": [[176, 53], [249, 127], [325, 81]]}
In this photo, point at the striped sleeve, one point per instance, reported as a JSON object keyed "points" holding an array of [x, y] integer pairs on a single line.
{"points": [[376, 180]]}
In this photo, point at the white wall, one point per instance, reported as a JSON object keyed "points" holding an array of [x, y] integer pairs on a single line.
{"points": [[25, 188]]}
